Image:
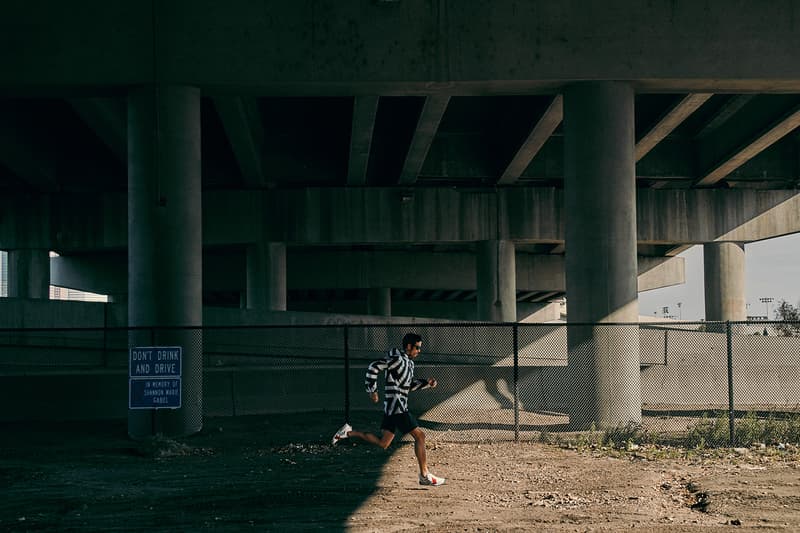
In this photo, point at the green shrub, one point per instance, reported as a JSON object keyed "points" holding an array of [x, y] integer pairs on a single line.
{"points": [[748, 430], [709, 432]]}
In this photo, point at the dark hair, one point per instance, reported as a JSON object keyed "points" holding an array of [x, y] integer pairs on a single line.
{"points": [[410, 338]]}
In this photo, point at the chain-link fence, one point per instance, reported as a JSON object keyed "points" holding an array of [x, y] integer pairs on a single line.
{"points": [[715, 383]]}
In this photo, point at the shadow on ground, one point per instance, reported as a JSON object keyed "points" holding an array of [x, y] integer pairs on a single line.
{"points": [[265, 472]]}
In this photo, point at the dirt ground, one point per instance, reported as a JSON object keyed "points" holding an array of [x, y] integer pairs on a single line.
{"points": [[280, 473]]}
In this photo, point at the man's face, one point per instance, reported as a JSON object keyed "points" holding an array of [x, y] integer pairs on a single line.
{"points": [[413, 350]]}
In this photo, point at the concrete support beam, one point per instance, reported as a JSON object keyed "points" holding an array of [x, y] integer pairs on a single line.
{"points": [[276, 260], [227, 270], [724, 275], [107, 117], [365, 109], [409, 311], [496, 281], [25, 222], [255, 293], [299, 217], [165, 243], [700, 216], [671, 120], [659, 272], [28, 223], [600, 199], [29, 274], [379, 301], [674, 217], [539, 135], [21, 152], [427, 125], [724, 113], [245, 132], [772, 134], [97, 273]]}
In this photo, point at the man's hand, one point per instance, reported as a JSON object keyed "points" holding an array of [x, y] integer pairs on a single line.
{"points": [[432, 382], [374, 397]]}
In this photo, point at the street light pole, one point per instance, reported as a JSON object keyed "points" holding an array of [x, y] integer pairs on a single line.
{"points": [[766, 301]]}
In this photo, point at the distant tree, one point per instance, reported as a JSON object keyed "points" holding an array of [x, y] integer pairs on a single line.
{"points": [[790, 315]]}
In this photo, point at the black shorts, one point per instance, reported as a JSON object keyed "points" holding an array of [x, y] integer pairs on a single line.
{"points": [[405, 422]]}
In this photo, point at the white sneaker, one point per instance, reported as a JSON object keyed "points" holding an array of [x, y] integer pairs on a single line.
{"points": [[430, 479], [341, 434]]}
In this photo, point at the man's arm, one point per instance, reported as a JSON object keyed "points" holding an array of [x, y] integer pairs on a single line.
{"points": [[420, 383], [371, 379]]}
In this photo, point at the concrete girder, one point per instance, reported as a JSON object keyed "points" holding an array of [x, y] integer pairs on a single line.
{"points": [[103, 273], [716, 215], [246, 135], [429, 119], [106, 273], [540, 133], [671, 120], [724, 113], [750, 148], [107, 117], [454, 45], [23, 155], [659, 272], [365, 109], [678, 217]]}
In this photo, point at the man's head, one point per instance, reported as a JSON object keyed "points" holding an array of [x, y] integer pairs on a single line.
{"points": [[412, 344]]}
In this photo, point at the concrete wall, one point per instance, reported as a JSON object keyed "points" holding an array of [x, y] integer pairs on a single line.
{"points": [[52, 385]]}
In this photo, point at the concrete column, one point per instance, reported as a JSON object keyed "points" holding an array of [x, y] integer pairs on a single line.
{"points": [[723, 266], [3, 274], [165, 268], [266, 276], [118, 298], [29, 274], [496, 281], [600, 240], [379, 301], [255, 293]]}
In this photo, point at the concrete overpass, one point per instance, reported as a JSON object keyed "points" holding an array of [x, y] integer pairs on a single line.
{"points": [[599, 141]]}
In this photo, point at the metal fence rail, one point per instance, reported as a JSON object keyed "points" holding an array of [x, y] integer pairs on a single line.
{"points": [[496, 381]]}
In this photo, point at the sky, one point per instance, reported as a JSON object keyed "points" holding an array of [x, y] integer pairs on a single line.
{"points": [[772, 270]]}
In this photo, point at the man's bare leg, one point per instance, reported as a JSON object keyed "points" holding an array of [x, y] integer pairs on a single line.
{"points": [[383, 442], [419, 450]]}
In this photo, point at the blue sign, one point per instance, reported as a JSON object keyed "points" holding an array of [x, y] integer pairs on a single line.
{"points": [[149, 361], [155, 393], [154, 374]]}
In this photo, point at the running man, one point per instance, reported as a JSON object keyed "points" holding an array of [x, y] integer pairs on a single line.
{"points": [[399, 367]]}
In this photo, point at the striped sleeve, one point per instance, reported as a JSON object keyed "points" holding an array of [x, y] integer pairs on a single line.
{"points": [[373, 370], [419, 384]]}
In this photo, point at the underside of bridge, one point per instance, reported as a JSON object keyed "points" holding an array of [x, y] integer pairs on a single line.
{"points": [[364, 155], [405, 95]]}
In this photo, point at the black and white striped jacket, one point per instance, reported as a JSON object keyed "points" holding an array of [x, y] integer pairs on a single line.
{"points": [[399, 380]]}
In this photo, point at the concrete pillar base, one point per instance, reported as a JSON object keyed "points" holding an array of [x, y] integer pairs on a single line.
{"points": [[601, 264], [165, 262]]}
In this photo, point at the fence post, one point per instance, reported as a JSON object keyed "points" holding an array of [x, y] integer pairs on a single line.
{"points": [[732, 434], [346, 378], [105, 335], [666, 334], [515, 337], [153, 424]]}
